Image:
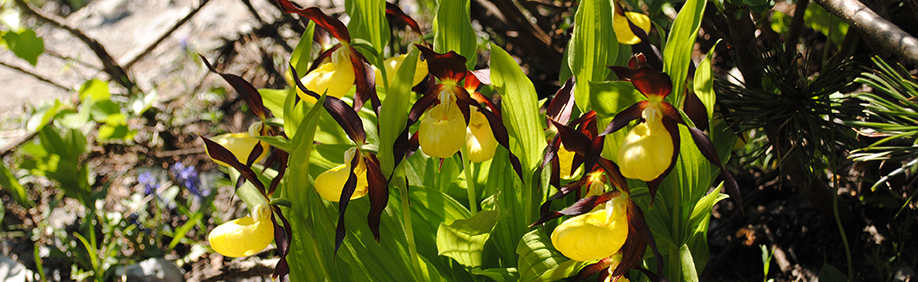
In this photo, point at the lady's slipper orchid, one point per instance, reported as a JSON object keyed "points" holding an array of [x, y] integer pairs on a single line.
{"points": [[594, 235], [334, 77], [330, 183], [646, 151], [244, 236], [242, 144], [441, 127]]}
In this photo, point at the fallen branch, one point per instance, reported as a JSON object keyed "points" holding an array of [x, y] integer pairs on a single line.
{"points": [[37, 76], [109, 65], [137, 54], [874, 27]]}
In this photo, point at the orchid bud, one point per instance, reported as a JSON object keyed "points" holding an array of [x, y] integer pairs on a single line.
{"points": [[335, 77], [245, 236], [241, 145], [393, 64], [330, 183], [479, 138], [623, 29], [442, 129], [594, 235]]}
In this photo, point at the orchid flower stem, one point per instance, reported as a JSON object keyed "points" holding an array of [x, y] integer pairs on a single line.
{"points": [[409, 232], [469, 180]]}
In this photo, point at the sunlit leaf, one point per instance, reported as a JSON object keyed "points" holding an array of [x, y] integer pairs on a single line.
{"points": [[464, 239], [677, 55], [393, 114], [453, 30], [539, 261], [520, 109], [593, 46], [25, 44], [9, 183]]}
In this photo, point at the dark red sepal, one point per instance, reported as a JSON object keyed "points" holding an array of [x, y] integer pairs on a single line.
{"points": [[282, 238], [639, 237], [365, 78], [394, 10], [562, 104], [332, 25], [325, 55], [649, 81], [615, 174], [446, 67], [245, 89], [378, 189], [696, 110], [573, 140], [582, 206], [589, 270], [625, 116], [500, 134], [218, 152], [282, 158], [570, 187], [347, 118], [673, 128], [349, 186], [707, 150]]}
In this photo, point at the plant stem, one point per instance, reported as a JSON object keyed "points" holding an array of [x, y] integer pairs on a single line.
{"points": [[409, 232], [469, 180]]}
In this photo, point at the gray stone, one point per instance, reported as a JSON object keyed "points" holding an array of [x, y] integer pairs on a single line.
{"points": [[12, 271], [151, 270]]}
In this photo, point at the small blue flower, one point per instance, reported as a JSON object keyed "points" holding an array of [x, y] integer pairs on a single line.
{"points": [[188, 177], [149, 181]]}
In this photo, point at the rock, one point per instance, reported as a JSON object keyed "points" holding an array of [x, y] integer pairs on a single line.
{"points": [[11, 270], [151, 270]]}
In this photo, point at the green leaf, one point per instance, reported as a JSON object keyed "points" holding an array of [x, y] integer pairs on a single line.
{"points": [[688, 265], [25, 44], [43, 116], [12, 185], [279, 142], [275, 99], [611, 97], [539, 261], [181, 232], [520, 109], [464, 239], [704, 83], [94, 89], [593, 46], [498, 274], [299, 58], [829, 25], [393, 114], [830, 273], [453, 31], [368, 21], [677, 54]]}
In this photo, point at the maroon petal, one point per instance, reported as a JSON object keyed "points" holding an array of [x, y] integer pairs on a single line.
{"points": [[696, 110], [282, 157], [573, 140], [625, 116], [282, 237], [500, 134], [365, 78], [378, 188], [245, 89], [673, 130], [545, 209], [349, 186], [347, 118], [218, 152], [582, 206], [394, 10], [449, 66], [639, 237], [562, 104], [707, 150], [299, 85], [422, 104], [649, 81], [322, 56], [615, 174], [589, 270], [332, 25], [638, 60]]}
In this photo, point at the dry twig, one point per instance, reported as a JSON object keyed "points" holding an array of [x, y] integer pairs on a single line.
{"points": [[874, 27]]}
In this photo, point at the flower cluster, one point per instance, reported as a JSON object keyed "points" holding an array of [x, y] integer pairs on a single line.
{"points": [[188, 177]]}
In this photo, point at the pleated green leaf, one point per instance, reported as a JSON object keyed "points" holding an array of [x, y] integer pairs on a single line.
{"points": [[520, 109], [677, 55], [593, 46], [368, 21], [539, 261], [464, 239], [393, 115], [453, 31]]}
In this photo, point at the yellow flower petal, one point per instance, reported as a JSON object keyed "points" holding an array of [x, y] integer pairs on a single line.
{"points": [[646, 151], [479, 138], [441, 131], [623, 30], [336, 77], [245, 236], [241, 145], [565, 160], [594, 235]]}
